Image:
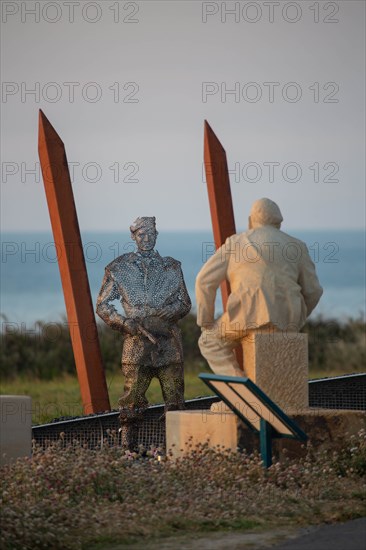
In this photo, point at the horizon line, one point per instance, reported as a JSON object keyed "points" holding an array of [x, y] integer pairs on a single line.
{"points": [[179, 230]]}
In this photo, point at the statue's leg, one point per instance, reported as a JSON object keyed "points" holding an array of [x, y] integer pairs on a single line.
{"points": [[219, 351], [133, 403], [171, 380]]}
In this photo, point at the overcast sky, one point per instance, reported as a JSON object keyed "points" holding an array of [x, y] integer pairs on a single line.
{"points": [[127, 85]]}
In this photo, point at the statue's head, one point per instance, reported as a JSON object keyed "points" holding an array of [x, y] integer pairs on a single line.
{"points": [[265, 212], [143, 231]]}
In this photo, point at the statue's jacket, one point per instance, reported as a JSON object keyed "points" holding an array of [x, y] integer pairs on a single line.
{"points": [[272, 280], [145, 286]]}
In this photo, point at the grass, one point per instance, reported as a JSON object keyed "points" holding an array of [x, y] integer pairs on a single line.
{"points": [[61, 396], [43, 367], [74, 498], [320, 373]]}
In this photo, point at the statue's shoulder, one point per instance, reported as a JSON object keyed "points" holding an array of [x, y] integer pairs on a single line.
{"points": [[292, 239], [236, 237], [171, 263], [120, 262], [231, 241]]}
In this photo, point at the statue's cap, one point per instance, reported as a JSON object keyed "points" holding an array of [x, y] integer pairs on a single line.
{"points": [[145, 222], [265, 212]]}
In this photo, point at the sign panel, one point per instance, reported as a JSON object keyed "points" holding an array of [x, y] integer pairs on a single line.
{"points": [[252, 405]]}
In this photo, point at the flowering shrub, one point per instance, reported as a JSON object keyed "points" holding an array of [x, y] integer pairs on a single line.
{"points": [[71, 498], [351, 459]]}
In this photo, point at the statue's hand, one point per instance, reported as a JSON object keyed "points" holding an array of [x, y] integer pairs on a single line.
{"points": [[208, 326], [151, 312], [130, 326], [166, 314], [156, 325]]}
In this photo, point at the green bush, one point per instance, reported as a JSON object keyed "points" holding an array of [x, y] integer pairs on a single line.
{"points": [[47, 353], [335, 346]]}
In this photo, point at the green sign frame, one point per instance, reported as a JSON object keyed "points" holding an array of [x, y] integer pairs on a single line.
{"points": [[256, 410]]}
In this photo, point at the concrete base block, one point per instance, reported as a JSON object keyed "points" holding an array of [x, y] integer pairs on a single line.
{"points": [[278, 363], [186, 429], [326, 429], [15, 427]]}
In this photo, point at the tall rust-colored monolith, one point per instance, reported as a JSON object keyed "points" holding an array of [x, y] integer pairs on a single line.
{"points": [[66, 233], [221, 204]]}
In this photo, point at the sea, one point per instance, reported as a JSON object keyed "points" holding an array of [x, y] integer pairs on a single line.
{"points": [[31, 286]]}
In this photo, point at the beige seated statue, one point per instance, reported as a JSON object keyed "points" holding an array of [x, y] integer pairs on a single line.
{"points": [[273, 282]]}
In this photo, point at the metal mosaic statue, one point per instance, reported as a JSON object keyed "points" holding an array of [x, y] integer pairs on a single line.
{"points": [[154, 297]]}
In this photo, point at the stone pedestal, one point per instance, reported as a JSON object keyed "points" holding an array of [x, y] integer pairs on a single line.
{"points": [[325, 428], [187, 429], [15, 427], [278, 363]]}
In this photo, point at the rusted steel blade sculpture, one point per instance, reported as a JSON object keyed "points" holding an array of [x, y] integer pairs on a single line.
{"points": [[66, 233], [221, 204], [219, 194]]}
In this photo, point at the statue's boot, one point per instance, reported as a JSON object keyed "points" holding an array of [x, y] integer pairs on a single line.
{"points": [[129, 437], [130, 419]]}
